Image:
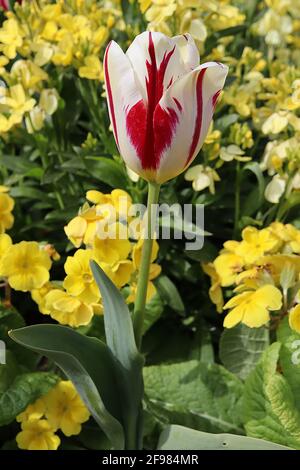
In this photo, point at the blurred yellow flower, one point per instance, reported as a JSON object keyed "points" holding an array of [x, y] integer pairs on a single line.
{"points": [[294, 318], [26, 266], [227, 266], [6, 207], [215, 291], [37, 434], [252, 307], [202, 177]]}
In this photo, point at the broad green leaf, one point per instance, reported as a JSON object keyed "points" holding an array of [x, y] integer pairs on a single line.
{"points": [[241, 348], [203, 396], [269, 409], [290, 357], [25, 389], [202, 348], [8, 371], [180, 438], [169, 293], [256, 197], [107, 170], [225, 121], [29, 193], [121, 341], [208, 253], [88, 363]]}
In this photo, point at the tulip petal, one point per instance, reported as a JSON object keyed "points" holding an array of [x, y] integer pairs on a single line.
{"points": [[157, 63], [122, 95], [182, 118], [188, 51]]}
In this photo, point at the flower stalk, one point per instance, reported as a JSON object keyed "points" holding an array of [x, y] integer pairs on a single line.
{"points": [[140, 301]]}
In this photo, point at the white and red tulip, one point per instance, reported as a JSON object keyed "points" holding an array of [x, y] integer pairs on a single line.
{"points": [[161, 102]]}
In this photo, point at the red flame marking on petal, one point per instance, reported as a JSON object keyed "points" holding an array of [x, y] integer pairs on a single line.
{"points": [[198, 122]]}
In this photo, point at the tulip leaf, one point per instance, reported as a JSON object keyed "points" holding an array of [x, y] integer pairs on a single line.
{"points": [[176, 437], [169, 293], [121, 341], [107, 170], [88, 363]]}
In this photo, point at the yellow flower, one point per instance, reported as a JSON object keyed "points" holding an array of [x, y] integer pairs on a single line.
{"points": [[49, 101], [26, 266], [215, 291], [202, 177], [137, 252], [294, 318], [65, 409], [227, 266], [256, 243], [33, 412], [275, 124], [92, 68], [6, 207], [79, 281], [5, 244], [39, 297], [66, 309], [10, 38], [112, 250], [120, 272], [37, 435], [252, 307], [82, 228]]}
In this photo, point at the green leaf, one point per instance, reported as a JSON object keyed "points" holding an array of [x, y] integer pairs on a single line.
{"points": [[169, 293], [29, 193], [107, 170], [121, 341], [208, 253], [204, 396], [241, 348], [88, 363], [180, 438], [8, 371], [269, 409], [290, 358], [25, 389], [153, 311], [225, 121], [256, 197]]}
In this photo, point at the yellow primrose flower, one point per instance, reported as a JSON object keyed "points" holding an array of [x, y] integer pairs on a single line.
{"points": [[26, 266], [151, 291], [79, 281], [252, 307], [10, 38], [37, 434], [6, 207], [39, 297], [66, 309], [275, 189], [215, 291], [120, 273], [33, 412], [233, 152], [294, 318], [92, 68], [17, 101], [5, 244], [256, 243], [64, 408], [112, 250], [137, 252], [275, 123], [202, 177], [82, 229], [49, 100], [227, 266]]}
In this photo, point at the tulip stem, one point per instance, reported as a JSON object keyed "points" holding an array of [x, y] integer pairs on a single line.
{"points": [[142, 285]]}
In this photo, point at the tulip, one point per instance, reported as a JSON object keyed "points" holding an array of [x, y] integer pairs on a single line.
{"points": [[161, 102], [5, 4]]}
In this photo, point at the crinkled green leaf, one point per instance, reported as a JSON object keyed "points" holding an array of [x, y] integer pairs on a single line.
{"points": [[241, 348], [204, 396]]}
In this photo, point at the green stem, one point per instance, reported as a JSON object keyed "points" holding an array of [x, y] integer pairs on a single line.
{"points": [[140, 301], [237, 200]]}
